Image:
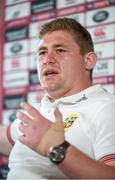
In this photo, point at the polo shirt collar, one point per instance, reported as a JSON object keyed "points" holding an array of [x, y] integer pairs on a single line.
{"points": [[73, 99]]}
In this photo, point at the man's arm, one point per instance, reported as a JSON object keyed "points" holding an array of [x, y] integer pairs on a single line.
{"points": [[40, 135], [5, 145], [78, 165]]}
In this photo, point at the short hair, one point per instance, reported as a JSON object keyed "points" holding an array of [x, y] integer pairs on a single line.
{"points": [[80, 33], [81, 36]]}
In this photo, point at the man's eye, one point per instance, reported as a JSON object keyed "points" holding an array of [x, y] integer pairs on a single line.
{"points": [[42, 53], [60, 50]]}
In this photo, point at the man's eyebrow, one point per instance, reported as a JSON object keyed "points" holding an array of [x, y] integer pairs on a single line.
{"points": [[58, 45], [42, 48], [54, 46]]}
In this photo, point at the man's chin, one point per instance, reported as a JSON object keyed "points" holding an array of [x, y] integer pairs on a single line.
{"points": [[47, 88], [50, 88]]}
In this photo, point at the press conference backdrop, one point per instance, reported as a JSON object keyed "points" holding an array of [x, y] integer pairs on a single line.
{"points": [[20, 21]]}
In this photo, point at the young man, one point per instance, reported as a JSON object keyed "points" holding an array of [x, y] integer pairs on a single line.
{"points": [[72, 133]]}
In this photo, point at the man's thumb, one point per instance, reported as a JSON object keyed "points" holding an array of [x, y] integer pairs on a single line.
{"points": [[58, 118]]}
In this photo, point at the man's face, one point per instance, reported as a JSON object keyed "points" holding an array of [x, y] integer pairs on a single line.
{"points": [[61, 67]]}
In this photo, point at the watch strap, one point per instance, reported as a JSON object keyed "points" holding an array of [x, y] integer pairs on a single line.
{"points": [[57, 153], [65, 144]]}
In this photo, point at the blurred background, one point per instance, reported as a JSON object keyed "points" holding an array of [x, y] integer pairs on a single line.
{"points": [[19, 25]]}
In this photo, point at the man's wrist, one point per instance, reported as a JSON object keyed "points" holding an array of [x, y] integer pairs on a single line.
{"points": [[57, 154]]}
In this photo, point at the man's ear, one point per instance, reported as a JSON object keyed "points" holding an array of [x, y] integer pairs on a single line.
{"points": [[90, 60]]}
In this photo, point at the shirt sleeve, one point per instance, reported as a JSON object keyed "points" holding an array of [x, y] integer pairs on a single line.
{"points": [[105, 131], [13, 131]]}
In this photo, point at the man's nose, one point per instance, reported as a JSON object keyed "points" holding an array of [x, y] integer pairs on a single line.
{"points": [[50, 58]]}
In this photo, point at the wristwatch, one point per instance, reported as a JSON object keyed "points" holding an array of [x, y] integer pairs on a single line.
{"points": [[57, 154]]}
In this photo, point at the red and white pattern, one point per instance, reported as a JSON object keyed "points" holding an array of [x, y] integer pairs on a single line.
{"points": [[107, 158]]}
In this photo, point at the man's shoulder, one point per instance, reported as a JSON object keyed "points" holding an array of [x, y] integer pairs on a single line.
{"points": [[102, 95]]}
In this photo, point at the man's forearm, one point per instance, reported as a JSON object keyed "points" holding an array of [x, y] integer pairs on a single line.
{"points": [[78, 165]]}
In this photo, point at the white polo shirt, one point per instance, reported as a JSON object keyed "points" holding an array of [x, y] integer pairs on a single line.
{"points": [[89, 121]]}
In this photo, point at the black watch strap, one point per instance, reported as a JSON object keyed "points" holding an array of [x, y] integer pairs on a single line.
{"points": [[65, 144], [57, 153]]}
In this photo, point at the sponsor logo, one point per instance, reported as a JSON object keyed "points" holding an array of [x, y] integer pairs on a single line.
{"points": [[101, 66], [16, 14], [16, 33], [99, 33], [16, 48], [69, 121], [12, 117], [12, 102], [15, 63], [83, 98], [33, 77], [41, 6], [100, 16]]}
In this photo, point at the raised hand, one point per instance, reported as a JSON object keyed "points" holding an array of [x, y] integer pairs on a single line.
{"points": [[38, 132], [33, 126], [54, 135]]}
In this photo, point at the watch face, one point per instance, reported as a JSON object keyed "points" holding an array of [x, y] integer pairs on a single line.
{"points": [[57, 154]]}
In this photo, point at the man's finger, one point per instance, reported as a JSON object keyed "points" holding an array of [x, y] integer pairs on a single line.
{"points": [[23, 127], [24, 117], [58, 118], [31, 110]]}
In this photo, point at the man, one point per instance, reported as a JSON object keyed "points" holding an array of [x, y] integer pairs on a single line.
{"points": [[72, 133]]}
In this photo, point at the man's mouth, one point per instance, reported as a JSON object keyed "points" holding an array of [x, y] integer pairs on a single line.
{"points": [[50, 72]]}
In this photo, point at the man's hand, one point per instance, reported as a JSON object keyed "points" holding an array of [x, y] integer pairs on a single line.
{"points": [[33, 126], [38, 132], [54, 135]]}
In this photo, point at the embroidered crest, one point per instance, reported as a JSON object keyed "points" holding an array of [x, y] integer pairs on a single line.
{"points": [[68, 122]]}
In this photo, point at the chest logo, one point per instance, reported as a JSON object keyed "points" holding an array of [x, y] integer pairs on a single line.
{"points": [[68, 122]]}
